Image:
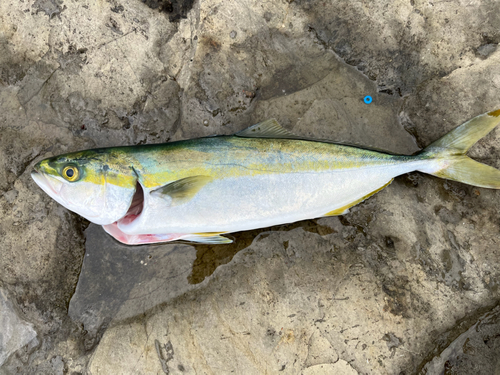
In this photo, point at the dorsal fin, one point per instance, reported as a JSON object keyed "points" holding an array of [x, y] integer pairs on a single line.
{"points": [[266, 129], [272, 129]]}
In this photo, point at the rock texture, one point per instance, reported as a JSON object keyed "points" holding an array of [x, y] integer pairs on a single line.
{"points": [[407, 282], [15, 332]]}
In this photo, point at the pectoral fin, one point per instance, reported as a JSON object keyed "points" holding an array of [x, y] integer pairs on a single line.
{"points": [[182, 190], [345, 209]]}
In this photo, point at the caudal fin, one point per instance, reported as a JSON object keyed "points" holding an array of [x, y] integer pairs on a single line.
{"points": [[449, 151]]}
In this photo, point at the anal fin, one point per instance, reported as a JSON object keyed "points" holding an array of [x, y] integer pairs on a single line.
{"points": [[345, 209]]}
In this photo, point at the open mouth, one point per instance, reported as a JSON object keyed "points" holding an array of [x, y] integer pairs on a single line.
{"points": [[136, 206]]}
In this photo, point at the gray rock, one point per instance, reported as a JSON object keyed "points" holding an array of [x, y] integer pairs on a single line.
{"points": [[14, 332], [119, 282], [384, 289], [475, 350], [486, 49]]}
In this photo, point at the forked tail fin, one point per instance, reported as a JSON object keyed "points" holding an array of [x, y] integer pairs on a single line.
{"points": [[449, 152]]}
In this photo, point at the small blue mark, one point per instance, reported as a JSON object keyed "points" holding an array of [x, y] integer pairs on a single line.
{"points": [[367, 99]]}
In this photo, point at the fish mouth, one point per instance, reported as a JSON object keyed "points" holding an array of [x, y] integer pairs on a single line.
{"points": [[45, 184], [136, 206]]}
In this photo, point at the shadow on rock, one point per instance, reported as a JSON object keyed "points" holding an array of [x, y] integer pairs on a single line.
{"points": [[209, 257], [119, 281]]}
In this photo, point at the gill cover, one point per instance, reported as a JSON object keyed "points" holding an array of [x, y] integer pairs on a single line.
{"points": [[90, 183]]}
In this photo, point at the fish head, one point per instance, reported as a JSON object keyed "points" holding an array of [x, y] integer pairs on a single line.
{"points": [[96, 184]]}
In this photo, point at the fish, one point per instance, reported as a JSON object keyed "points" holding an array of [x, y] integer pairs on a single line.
{"points": [[200, 189]]}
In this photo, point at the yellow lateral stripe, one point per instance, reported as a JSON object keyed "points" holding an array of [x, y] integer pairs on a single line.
{"points": [[341, 210], [238, 157], [112, 177], [218, 158]]}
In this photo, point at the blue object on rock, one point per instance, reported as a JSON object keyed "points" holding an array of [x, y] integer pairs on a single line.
{"points": [[367, 99]]}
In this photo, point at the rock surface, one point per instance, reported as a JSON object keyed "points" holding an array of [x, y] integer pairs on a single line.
{"points": [[407, 282], [15, 333]]}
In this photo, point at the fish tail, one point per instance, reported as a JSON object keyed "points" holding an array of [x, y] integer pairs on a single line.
{"points": [[450, 161]]}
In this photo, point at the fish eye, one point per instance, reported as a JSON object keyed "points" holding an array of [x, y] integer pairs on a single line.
{"points": [[70, 173]]}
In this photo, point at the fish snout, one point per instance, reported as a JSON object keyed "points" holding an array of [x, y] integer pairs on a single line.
{"points": [[50, 185]]}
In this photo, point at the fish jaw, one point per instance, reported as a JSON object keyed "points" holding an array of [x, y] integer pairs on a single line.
{"points": [[49, 185]]}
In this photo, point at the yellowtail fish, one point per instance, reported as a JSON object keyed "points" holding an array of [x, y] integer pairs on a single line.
{"points": [[199, 189]]}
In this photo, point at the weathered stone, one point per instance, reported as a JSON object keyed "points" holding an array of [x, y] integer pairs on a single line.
{"points": [[384, 289], [14, 332], [119, 282], [475, 350]]}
